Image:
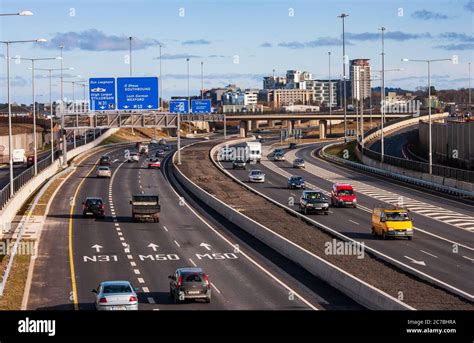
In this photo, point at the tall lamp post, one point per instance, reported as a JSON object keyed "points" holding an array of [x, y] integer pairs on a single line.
{"points": [[35, 143], [74, 103], [330, 93], [430, 140], [10, 138], [343, 16], [50, 70]]}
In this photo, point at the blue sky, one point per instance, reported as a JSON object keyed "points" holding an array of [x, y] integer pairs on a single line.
{"points": [[261, 34]]}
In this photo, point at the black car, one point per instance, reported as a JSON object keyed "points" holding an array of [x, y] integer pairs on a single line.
{"points": [[166, 147], [105, 161], [93, 206], [314, 201], [295, 181], [262, 140], [160, 153], [292, 146], [238, 164]]}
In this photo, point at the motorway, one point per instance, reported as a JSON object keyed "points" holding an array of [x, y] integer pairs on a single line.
{"points": [[443, 245], [146, 253]]}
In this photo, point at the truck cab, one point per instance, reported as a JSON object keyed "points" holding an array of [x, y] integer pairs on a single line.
{"points": [[254, 151], [392, 222], [343, 195]]}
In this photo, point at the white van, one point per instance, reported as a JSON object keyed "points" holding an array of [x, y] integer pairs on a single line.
{"points": [[254, 151], [19, 156]]}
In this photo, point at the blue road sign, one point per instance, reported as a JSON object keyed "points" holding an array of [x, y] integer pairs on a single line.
{"points": [[179, 106], [201, 106], [137, 93], [102, 94]]}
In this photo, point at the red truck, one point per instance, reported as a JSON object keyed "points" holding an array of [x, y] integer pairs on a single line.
{"points": [[343, 195]]}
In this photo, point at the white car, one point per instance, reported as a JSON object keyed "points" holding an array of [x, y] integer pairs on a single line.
{"points": [[115, 296], [256, 176], [133, 157], [103, 171]]}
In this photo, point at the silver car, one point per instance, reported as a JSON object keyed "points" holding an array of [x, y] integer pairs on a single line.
{"points": [[298, 163], [115, 296], [103, 171], [256, 176]]}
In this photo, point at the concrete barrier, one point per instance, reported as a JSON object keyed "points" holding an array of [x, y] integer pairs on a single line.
{"points": [[7, 214], [357, 289]]}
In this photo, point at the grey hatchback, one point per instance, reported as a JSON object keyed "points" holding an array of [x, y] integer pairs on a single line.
{"points": [[189, 283]]}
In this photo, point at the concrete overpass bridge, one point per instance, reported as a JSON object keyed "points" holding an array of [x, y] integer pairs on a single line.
{"points": [[251, 121]]}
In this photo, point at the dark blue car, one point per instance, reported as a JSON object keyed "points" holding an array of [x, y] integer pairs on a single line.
{"points": [[295, 181]]}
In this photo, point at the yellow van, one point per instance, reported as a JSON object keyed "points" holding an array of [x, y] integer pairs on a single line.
{"points": [[394, 222]]}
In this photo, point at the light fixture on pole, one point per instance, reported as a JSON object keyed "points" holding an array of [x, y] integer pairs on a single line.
{"points": [[330, 93], [21, 14], [10, 138], [130, 55], [343, 16], [202, 80], [430, 139]]}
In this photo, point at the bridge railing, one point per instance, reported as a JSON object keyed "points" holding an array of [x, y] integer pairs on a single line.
{"points": [[418, 166], [23, 178]]}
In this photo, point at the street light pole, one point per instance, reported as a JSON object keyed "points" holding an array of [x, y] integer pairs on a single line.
{"points": [[10, 137], [343, 16], [382, 97], [469, 86], [130, 55], [202, 80], [189, 99], [430, 141], [330, 94]]}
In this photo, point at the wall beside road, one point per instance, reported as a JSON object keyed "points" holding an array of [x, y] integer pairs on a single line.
{"points": [[20, 141], [453, 142]]}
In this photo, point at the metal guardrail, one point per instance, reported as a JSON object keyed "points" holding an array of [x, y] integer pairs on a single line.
{"points": [[22, 179]]}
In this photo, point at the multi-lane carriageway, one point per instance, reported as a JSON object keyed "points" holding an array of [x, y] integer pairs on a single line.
{"points": [[443, 246], [77, 253]]}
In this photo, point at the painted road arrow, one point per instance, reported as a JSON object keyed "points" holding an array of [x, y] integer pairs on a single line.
{"points": [[97, 247], [205, 245], [421, 263], [153, 246]]}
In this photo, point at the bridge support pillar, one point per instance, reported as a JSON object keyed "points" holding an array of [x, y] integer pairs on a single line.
{"points": [[249, 125], [322, 129], [271, 123], [254, 125], [284, 123], [297, 122], [290, 126], [243, 129]]}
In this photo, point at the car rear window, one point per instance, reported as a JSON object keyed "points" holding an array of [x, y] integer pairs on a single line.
{"points": [[193, 277], [104, 168], [113, 289], [94, 202]]}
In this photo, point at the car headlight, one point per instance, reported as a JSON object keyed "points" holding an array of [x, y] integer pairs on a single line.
{"points": [[354, 201], [390, 229]]}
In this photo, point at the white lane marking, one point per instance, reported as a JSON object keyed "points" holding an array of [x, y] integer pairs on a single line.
{"points": [[133, 264], [117, 224], [427, 253], [117, 228], [140, 280], [145, 290], [130, 257], [124, 244], [192, 262], [470, 259], [165, 228], [119, 233], [217, 289], [121, 238], [136, 271], [354, 222], [177, 244], [152, 301]]}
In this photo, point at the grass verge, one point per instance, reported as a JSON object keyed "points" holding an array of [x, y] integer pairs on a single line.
{"points": [[345, 151]]}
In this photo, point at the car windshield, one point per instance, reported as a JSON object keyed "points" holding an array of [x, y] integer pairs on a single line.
{"points": [[314, 196], [105, 158], [256, 172], [114, 289], [239, 161], [345, 192], [397, 216], [297, 178], [103, 168], [145, 198], [299, 161], [193, 277]]}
